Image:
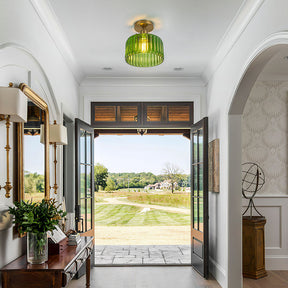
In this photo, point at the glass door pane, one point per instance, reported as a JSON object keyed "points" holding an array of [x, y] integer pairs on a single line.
{"points": [[199, 197], [84, 178]]}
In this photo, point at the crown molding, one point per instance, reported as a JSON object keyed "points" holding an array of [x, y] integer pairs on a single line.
{"points": [[50, 21], [243, 17], [142, 81]]}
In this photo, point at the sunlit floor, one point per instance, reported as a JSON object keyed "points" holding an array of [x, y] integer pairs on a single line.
{"points": [[168, 277], [145, 277], [142, 254]]}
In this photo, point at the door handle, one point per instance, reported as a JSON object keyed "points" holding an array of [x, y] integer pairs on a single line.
{"points": [[80, 219]]}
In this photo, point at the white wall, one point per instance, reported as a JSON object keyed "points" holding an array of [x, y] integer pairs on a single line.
{"points": [[222, 86], [27, 54]]}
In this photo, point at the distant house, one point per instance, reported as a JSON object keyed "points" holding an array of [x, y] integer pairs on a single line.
{"points": [[151, 187], [155, 186], [166, 184]]}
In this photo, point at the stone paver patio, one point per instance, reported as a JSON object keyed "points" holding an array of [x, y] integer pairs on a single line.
{"points": [[142, 254]]}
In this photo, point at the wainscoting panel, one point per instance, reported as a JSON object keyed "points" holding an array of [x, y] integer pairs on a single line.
{"points": [[275, 210]]}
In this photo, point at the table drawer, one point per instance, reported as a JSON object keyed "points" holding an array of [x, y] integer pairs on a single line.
{"points": [[75, 266], [68, 275]]}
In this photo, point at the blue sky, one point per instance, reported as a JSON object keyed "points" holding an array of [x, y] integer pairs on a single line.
{"points": [[148, 153], [33, 154], [136, 153]]}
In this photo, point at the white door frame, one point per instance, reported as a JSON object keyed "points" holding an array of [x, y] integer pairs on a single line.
{"points": [[254, 66]]}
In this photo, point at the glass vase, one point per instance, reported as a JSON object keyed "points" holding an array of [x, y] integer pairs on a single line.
{"points": [[37, 248]]}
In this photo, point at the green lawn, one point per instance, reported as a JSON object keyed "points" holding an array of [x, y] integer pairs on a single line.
{"points": [[126, 215], [172, 200]]}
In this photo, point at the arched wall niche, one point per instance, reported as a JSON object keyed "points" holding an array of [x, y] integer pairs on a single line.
{"points": [[15, 57], [250, 73], [19, 65]]}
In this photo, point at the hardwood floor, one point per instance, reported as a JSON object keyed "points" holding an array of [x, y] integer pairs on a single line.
{"points": [[145, 277], [168, 277], [275, 279]]}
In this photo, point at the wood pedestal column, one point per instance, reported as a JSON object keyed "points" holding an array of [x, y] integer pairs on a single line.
{"points": [[254, 247]]}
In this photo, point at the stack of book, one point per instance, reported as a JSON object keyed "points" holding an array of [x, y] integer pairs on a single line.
{"points": [[74, 239]]}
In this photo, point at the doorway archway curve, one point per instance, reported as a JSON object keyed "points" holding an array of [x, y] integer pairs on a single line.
{"points": [[251, 70]]}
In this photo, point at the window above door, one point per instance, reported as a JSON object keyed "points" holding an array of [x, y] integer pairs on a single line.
{"points": [[141, 114]]}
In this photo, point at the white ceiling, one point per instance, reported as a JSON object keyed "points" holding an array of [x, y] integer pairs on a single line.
{"points": [[191, 30]]}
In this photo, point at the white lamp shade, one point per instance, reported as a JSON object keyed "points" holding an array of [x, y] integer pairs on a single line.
{"points": [[42, 140], [58, 134], [13, 102]]}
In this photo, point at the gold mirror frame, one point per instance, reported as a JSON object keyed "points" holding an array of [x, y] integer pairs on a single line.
{"points": [[18, 143]]}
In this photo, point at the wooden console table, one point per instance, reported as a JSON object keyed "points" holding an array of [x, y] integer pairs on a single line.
{"points": [[57, 272]]}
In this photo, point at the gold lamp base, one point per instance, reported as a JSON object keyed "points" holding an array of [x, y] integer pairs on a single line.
{"points": [[8, 185], [143, 26], [7, 188], [55, 187]]}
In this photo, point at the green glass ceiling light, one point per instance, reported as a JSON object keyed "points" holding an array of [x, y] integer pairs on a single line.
{"points": [[143, 49]]}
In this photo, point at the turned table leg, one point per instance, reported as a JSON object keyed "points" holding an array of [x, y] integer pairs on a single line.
{"points": [[88, 268]]}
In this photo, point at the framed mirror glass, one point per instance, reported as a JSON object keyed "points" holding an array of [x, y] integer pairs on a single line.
{"points": [[31, 173], [33, 154]]}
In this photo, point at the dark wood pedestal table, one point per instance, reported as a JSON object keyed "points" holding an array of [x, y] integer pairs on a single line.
{"points": [[57, 272], [254, 247]]}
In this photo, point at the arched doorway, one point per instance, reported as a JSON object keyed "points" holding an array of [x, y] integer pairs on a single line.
{"points": [[255, 65]]}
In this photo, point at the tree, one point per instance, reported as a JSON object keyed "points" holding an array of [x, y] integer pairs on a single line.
{"points": [[172, 173], [184, 181], [100, 176], [111, 186], [33, 182]]}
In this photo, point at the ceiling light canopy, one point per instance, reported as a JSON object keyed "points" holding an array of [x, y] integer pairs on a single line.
{"points": [[143, 49]]}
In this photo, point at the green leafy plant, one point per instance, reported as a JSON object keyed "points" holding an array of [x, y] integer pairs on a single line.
{"points": [[38, 217]]}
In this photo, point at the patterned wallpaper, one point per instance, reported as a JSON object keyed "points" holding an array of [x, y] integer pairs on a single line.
{"points": [[265, 134]]}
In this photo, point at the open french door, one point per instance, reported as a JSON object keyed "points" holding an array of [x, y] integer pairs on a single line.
{"points": [[84, 188], [199, 197]]}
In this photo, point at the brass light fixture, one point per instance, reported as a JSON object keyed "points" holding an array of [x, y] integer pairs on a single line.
{"points": [[58, 136], [143, 49], [13, 108]]}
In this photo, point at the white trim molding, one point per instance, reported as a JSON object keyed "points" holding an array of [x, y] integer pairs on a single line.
{"points": [[143, 81], [245, 14], [217, 271], [52, 25]]}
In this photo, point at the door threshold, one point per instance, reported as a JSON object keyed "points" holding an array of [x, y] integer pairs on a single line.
{"points": [[141, 265]]}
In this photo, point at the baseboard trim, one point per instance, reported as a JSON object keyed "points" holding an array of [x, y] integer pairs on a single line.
{"points": [[276, 262], [217, 271]]}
